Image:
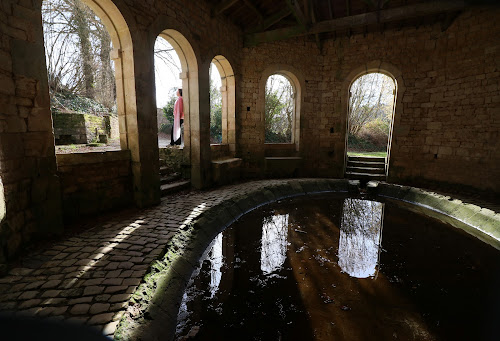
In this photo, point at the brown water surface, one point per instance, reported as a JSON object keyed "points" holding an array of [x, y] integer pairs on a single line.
{"points": [[331, 268]]}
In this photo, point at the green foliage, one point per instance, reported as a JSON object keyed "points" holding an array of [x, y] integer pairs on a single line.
{"points": [[165, 128], [376, 131], [65, 101], [278, 110], [216, 125], [168, 110], [215, 114]]}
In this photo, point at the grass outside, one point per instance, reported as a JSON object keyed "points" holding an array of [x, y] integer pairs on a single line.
{"points": [[368, 154]]}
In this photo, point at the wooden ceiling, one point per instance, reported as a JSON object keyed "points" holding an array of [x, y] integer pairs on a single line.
{"points": [[272, 20]]}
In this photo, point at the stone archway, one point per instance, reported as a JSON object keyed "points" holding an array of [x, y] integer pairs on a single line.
{"points": [[228, 90], [298, 83], [123, 57], [190, 94], [374, 67]]}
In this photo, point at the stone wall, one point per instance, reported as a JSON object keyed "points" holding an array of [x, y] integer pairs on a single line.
{"points": [[27, 152], [93, 183], [81, 128], [28, 168], [446, 125], [447, 117]]}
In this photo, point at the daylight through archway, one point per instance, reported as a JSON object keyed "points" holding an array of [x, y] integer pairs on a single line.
{"points": [[81, 77], [371, 107], [279, 109], [167, 81]]}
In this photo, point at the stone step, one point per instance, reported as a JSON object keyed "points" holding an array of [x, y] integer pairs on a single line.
{"points": [[175, 187], [367, 170], [170, 178], [364, 176], [366, 158], [164, 170], [365, 164]]}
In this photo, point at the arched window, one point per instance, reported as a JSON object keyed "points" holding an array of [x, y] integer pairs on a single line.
{"points": [[215, 105], [279, 113], [167, 81], [188, 79], [371, 104], [369, 125], [87, 95], [222, 103]]}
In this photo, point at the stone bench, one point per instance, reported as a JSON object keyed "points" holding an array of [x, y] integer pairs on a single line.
{"points": [[225, 171]]}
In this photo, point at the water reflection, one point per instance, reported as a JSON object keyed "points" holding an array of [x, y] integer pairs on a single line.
{"points": [[274, 243], [360, 237], [216, 261]]}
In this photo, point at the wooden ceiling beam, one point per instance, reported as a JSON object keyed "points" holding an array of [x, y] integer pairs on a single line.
{"points": [[294, 6], [222, 6], [382, 16], [271, 20], [274, 35], [254, 9], [317, 37], [388, 15]]}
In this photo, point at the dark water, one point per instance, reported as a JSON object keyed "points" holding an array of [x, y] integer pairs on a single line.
{"points": [[330, 268]]}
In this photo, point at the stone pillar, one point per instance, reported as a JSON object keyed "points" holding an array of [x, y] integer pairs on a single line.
{"points": [[27, 153], [141, 126], [199, 127]]}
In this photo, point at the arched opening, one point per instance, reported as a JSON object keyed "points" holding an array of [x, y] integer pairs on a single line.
{"points": [[167, 82], [215, 105], [81, 37], [370, 119], [279, 116], [222, 103], [188, 81]]}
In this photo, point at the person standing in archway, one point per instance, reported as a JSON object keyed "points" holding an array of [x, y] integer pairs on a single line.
{"points": [[175, 138]]}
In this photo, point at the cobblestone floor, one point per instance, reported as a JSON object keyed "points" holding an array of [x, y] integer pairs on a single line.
{"points": [[88, 277]]}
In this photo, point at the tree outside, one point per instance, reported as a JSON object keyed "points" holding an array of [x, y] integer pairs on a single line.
{"points": [[167, 81], [79, 68], [370, 113], [279, 108], [215, 105]]}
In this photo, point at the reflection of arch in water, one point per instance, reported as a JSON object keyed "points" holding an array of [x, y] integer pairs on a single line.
{"points": [[2, 202], [228, 101], [360, 237], [216, 261], [274, 243]]}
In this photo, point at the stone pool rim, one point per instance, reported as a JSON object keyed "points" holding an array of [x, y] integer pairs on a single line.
{"points": [[157, 299]]}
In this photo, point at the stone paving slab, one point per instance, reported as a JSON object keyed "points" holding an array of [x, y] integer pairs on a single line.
{"points": [[90, 277]]}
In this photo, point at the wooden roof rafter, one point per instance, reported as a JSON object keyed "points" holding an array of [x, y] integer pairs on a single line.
{"points": [[349, 22], [222, 6]]}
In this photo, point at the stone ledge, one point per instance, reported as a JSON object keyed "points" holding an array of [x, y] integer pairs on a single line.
{"points": [[482, 223], [224, 161], [92, 157]]}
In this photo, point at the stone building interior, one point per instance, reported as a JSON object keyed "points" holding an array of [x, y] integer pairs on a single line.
{"points": [[82, 234]]}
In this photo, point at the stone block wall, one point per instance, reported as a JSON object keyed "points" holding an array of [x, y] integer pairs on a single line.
{"points": [[28, 170], [447, 120], [81, 128], [27, 154], [93, 183]]}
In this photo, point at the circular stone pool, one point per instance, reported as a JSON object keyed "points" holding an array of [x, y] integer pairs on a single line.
{"points": [[326, 267]]}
